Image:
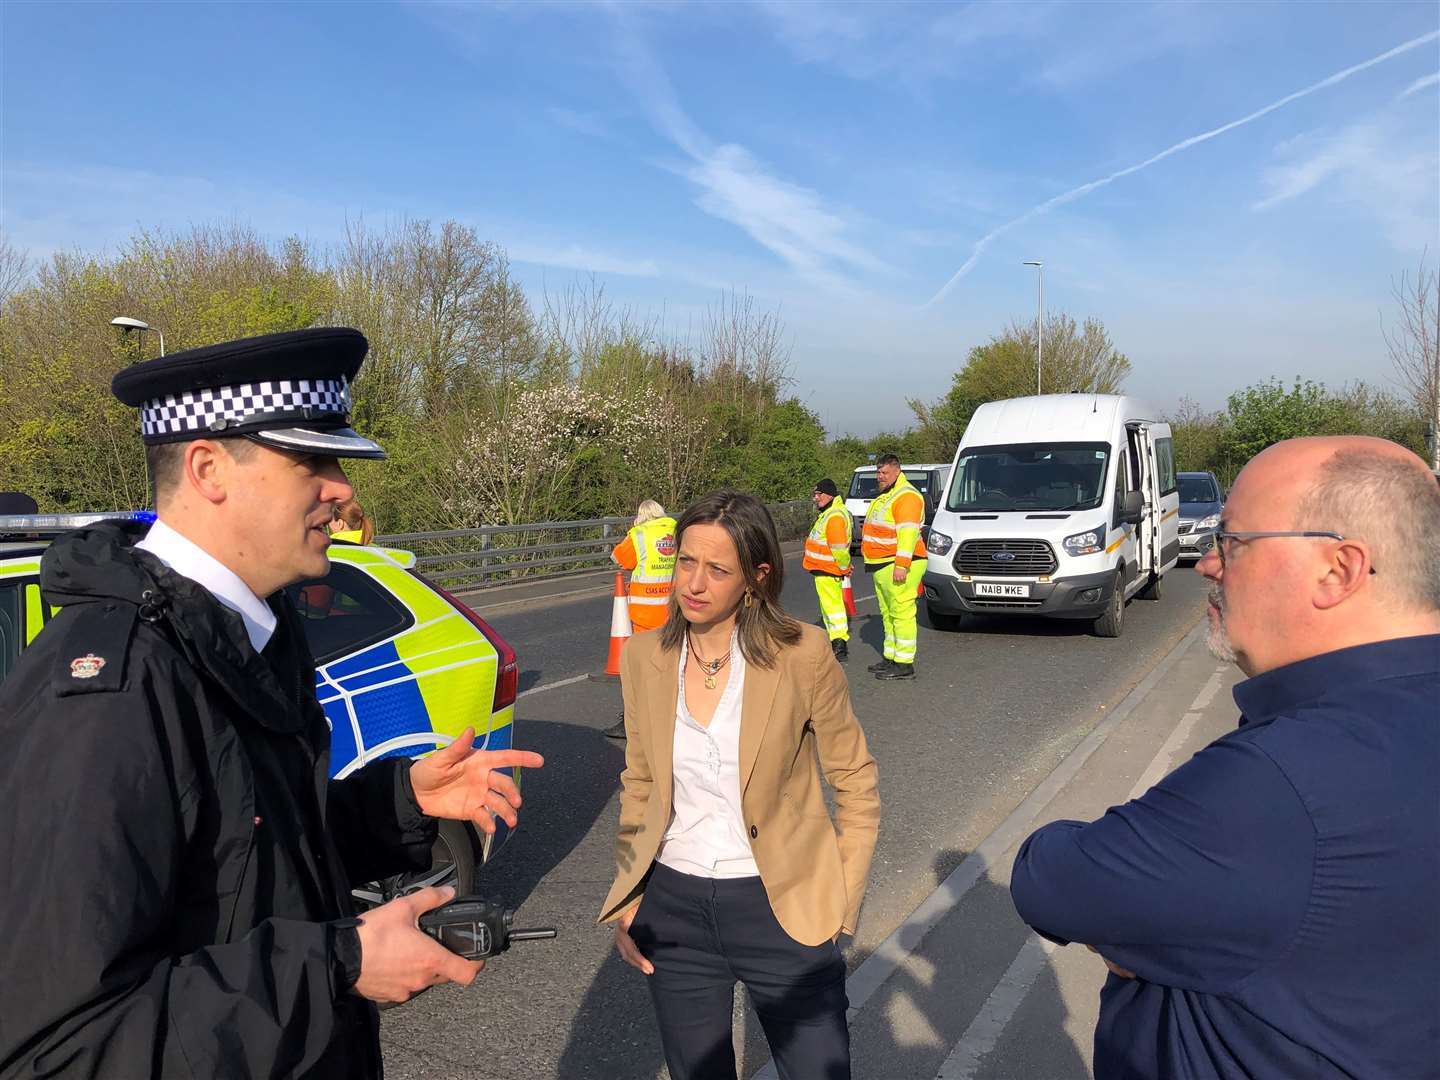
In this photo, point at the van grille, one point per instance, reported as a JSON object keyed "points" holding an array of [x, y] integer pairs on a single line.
{"points": [[1032, 558]]}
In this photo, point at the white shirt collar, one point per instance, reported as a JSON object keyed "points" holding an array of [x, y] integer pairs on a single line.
{"points": [[188, 559]]}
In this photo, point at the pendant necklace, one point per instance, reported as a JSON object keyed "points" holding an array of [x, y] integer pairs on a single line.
{"points": [[709, 667]]}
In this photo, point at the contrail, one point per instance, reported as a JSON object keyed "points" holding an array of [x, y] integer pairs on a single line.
{"points": [[1085, 189]]}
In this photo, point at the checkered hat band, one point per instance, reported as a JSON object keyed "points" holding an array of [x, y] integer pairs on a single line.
{"points": [[199, 410]]}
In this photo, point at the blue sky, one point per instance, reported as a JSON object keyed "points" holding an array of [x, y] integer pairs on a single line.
{"points": [[842, 162]]}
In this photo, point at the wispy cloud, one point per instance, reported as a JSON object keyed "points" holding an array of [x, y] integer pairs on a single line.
{"points": [[577, 257], [788, 219], [1085, 189], [1422, 83], [1375, 164]]}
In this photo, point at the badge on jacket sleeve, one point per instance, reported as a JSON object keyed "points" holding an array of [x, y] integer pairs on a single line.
{"points": [[87, 666]]}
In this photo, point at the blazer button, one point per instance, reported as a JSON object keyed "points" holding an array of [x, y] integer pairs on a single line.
{"points": [[754, 832]]}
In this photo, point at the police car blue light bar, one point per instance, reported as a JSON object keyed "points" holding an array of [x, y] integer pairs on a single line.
{"points": [[49, 523]]}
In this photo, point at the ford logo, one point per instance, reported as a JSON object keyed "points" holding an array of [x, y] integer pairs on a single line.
{"points": [[1003, 556]]}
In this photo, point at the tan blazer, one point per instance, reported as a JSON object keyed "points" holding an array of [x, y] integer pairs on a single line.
{"points": [[814, 870]]}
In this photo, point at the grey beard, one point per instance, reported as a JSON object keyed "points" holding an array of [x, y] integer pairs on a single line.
{"points": [[1217, 638]]}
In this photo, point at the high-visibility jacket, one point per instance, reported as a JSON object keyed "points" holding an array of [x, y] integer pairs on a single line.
{"points": [[892, 527], [827, 548], [648, 552]]}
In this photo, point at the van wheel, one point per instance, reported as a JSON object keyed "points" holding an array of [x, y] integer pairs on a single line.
{"points": [[943, 620], [1113, 621], [1151, 591]]}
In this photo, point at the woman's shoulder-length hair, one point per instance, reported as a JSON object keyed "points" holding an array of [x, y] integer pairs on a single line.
{"points": [[763, 626]]}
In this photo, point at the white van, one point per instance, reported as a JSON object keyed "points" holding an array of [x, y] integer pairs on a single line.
{"points": [[931, 481], [1063, 505]]}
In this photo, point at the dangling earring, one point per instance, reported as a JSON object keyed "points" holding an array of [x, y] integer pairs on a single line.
{"points": [[749, 598]]}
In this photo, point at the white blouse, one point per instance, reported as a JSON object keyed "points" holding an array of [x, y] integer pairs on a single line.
{"points": [[706, 836]]}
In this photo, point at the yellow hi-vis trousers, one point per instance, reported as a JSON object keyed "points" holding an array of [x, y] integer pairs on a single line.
{"points": [[897, 609], [831, 592]]}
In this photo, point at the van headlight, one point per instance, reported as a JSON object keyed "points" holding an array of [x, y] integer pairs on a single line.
{"points": [[1085, 543], [938, 543], [1211, 522]]}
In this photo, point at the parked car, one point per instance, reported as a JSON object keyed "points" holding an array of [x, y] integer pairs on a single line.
{"points": [[930, 480], [1201, 501], [402, 667]]}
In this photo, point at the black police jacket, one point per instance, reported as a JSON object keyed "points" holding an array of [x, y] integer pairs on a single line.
{"points": [[178, 861]]}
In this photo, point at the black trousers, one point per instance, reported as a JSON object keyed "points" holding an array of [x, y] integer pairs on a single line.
{"points": [[703, 935]]}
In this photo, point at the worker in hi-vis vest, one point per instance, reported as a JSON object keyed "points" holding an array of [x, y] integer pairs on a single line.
{"points": [[893, 551], [648, 552], [827, 557]]}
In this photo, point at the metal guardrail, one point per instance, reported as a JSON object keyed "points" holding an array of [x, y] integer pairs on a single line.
{"points": [[498, 554]]}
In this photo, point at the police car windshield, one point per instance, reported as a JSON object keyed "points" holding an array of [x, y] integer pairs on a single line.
{"points": [[1033, 477], [865, 486]]}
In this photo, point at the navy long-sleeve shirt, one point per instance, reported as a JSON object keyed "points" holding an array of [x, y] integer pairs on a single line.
{"points": [[1278, 896]]}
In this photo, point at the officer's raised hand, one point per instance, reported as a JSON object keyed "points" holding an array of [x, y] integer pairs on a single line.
{"points": [[461, 783], [397, 959]]}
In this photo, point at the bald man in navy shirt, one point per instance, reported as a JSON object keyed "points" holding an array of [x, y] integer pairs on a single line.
{"points": [[1271, 909]]}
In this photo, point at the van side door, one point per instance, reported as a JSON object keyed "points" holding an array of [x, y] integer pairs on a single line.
{"points": [[1141, 478], [1167, 497]]}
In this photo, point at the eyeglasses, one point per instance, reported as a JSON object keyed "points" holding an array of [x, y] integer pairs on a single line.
{"points": [[1222, 537]]}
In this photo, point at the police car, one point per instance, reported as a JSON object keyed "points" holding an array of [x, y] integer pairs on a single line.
{"points": [[402, 667]]}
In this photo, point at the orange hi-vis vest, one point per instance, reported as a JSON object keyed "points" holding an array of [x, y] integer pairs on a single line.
{"points": [[827, 548], [648, 552], [892, 527]]}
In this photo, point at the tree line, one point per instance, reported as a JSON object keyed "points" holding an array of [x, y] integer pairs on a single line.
{"points": [[497, 407]]}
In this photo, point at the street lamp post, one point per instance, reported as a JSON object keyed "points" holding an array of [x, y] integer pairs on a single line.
{"points": [[127, 324], [1039, 324]]}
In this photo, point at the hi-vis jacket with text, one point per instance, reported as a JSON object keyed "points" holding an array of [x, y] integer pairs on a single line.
{"points": [[648, 552]]}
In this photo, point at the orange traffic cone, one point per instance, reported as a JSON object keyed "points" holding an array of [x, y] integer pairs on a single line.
{"points": [[849, 598], [619, 630]]}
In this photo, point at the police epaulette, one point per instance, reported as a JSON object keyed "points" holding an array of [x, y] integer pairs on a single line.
{"points": [[97, 642]]}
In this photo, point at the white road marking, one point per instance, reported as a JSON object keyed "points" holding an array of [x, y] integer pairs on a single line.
{"points": [[551, 686], [1164, 759], [990, 1022]]}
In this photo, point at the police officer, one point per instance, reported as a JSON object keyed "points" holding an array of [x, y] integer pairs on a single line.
{"points": [[179, 863], [827, 557]]}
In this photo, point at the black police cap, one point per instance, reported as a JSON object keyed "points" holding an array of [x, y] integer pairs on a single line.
{"points": [[290, 390]]}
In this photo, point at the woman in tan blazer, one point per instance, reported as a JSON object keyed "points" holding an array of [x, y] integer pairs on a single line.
{"points": [[728, 864]]}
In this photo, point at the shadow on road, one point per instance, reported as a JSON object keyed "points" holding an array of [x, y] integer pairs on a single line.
{"points": [[910, 1025], [562, 803], [906, 1030], [613, 1036]]}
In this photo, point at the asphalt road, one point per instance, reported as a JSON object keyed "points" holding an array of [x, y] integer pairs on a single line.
{"points": [[994, 708]]}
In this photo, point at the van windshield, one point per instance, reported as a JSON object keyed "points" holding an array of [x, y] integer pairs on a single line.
{"points": [[864, 485], [1030, 476]]}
